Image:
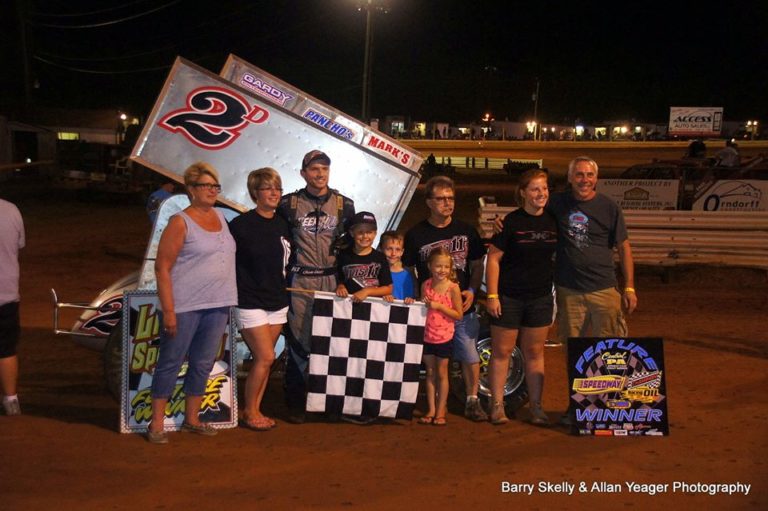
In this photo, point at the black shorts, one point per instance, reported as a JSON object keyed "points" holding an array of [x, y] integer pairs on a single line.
{"points": [[529, 312], [10, 328], [442, 350]]}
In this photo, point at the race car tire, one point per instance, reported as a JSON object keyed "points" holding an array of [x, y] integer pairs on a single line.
{"points": [[515, 389], [112, 360]]}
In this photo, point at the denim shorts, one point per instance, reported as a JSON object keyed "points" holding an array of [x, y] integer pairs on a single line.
{"points": [[524, 312], [465, 339]]}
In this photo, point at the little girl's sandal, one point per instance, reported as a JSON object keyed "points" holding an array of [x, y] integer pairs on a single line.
{"points": [[439, 421]]}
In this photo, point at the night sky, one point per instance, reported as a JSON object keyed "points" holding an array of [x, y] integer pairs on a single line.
{"points": [[434, 60]]}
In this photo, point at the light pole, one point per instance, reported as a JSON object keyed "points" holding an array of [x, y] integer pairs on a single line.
{"points": [[369, 6], [536, 132]]}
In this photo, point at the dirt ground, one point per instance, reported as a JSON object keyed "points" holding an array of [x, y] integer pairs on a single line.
{"points": [[65, 453]]}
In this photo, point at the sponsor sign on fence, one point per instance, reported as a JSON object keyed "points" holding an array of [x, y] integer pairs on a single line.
{"points": [[734, 195], [641, 193]]}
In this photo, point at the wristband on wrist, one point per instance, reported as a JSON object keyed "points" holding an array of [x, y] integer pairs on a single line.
{"points": [[629, 289], [471, 290], [492, 295]]}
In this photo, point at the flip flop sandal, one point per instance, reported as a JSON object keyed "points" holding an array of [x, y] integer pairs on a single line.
{"points": [[439, 421], [260, 424], [427, 420]]}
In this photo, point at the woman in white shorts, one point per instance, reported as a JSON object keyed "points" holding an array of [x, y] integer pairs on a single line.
{"points": [[263, 248]]}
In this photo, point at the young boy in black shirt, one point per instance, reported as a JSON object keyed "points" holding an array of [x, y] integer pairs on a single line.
{"points": [[363, 271]]}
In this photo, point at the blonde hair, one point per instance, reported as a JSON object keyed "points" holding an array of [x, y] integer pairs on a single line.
{"points": [[197, 170], [261, 176], [442, 252]]}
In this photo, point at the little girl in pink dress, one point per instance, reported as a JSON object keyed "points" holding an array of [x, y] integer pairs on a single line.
{"points": [[443, 297]]}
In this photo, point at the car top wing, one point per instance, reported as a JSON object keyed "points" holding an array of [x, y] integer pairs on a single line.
{"points": [[201, 116]]}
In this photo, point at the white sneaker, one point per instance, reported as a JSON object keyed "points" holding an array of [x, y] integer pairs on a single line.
{"points": [[12, 407]]}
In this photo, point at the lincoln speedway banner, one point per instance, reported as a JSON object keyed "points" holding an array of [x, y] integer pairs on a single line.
{"points": [[693, 121], [365, 357], [236, 128], [141, 340], [641, 193], [734, 195], [617, 386]]}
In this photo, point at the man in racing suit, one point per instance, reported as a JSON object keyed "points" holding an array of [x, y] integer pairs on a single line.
{"points": [[318, 216]]}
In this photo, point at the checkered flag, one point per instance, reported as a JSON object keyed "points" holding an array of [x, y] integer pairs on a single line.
{"points": [[365, 357]]}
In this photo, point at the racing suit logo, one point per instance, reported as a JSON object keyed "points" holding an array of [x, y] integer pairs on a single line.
{"points": [[319, 222]]}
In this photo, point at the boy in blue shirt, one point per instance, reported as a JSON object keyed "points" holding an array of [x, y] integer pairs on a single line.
{"points": [[391, 244]]}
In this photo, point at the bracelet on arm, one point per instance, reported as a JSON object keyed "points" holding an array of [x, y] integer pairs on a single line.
{"points": [[629, 290], [492, 296], [471, 290]]}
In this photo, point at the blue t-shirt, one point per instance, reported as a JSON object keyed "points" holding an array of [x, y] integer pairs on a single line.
{"points": [[402, 285], [154, 202]]}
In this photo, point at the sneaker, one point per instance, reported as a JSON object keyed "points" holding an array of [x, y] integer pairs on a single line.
{"points": [[538, 417], [204, 429], [296, 415], [498, 415], [12, 407], [360, 420], [333, 417], [474, 412], [159, 437]]}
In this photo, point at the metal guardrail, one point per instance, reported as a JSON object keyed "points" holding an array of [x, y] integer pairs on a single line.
{"points": [[670, 238]]}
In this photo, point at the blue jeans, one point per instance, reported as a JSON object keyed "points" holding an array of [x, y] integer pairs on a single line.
{"points": [[198, 338]]}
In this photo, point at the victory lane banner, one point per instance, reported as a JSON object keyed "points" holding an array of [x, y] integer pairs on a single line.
{"points": [[141, 346], [617, 386], [365, 357]]}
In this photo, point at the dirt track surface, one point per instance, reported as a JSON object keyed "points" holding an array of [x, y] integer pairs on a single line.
{"points": [[65, 453]]}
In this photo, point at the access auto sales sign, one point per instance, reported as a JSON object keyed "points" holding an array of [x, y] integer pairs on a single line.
{"points": [[695, 121]]}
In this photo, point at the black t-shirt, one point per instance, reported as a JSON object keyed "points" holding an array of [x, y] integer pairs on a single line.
{"points": [[528, 243], [461, 240], [263, 250], [357, 272]]}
